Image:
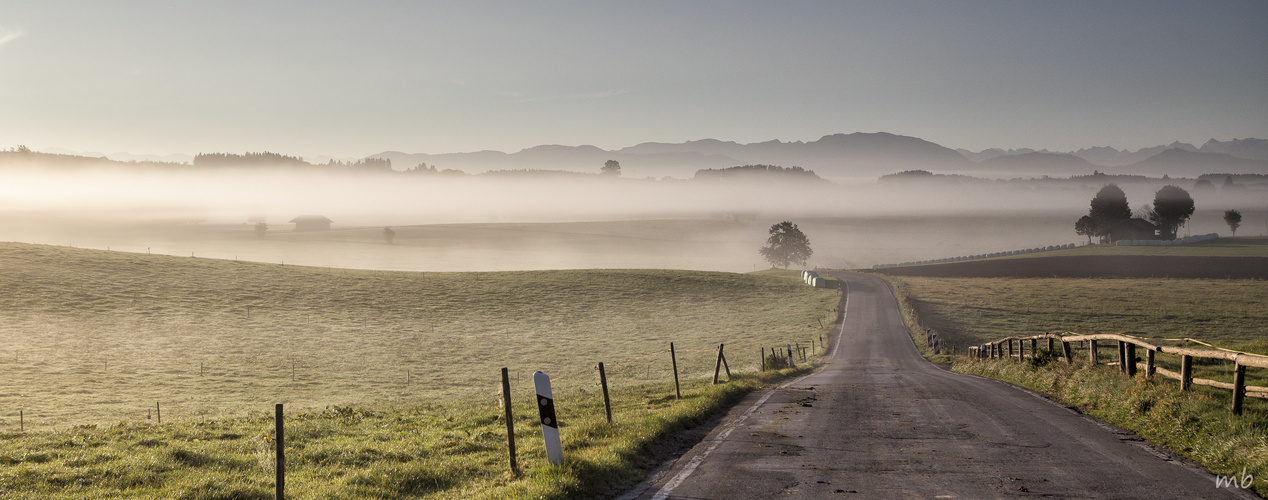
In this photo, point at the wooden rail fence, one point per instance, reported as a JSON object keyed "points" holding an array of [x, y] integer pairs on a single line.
{"points": [[1127, 359]]}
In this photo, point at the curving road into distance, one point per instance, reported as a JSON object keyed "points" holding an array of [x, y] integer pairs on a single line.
{"points": [[879, 421]]}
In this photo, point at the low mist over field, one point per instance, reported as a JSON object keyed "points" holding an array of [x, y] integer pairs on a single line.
{"points": [[511, 220]]}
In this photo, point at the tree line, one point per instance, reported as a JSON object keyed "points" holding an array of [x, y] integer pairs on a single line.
{"points": [[267, 159], [1109, 217]]}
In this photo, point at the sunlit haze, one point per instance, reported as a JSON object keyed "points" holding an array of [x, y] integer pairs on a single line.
{"points": [[350, 80]]}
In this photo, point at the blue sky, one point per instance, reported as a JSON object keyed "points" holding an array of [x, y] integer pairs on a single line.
{"points": [[352, 79]]}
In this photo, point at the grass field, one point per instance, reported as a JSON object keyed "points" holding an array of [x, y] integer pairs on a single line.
{"points": [[445, 449], [99, 337], [1244, 246], [390, 380], [970, 311]]}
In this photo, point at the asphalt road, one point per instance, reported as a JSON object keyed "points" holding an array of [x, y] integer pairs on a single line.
{"points": [[879, 421]]}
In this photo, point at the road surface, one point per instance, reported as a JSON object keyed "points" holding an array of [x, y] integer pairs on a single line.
{"points": [[879, 421]]}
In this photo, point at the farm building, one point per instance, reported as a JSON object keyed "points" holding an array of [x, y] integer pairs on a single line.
{"points": [[312, 223], [1133, 229]]}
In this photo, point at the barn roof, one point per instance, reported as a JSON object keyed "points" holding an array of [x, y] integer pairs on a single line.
{"points": [[311, 218], [1136, 223]]}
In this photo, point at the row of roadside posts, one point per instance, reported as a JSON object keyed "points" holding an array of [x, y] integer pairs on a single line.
{"points": [[931, 338], [549, 419], [545, 400]]}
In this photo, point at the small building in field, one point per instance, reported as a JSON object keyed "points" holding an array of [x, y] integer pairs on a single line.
{"points": [[1133, 229], [312, 223]]}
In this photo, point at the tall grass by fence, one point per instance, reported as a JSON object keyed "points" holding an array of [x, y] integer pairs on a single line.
{"points": [[1130, 364]]}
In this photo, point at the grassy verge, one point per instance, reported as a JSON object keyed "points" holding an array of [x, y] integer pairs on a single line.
{"points": [[1196, 424], [434, 450]]}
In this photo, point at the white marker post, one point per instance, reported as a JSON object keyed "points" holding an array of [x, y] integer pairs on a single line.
{"points": [[790, 357], [550, 425]]}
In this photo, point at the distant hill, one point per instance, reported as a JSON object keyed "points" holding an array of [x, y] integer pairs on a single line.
{"points": [[1038, 163], [987, 154], [925, 177], [585, 159], [832, 156], [758, 172], [1180, 162], [1250, 149], [1110, 157]]}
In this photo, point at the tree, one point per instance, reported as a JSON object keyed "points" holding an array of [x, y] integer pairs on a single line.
{"points": [[612, 168], [260, 229], [1085, 226], [786, 245], [1109, 207], [389, 235], [1234, 219], [1172, 208]]}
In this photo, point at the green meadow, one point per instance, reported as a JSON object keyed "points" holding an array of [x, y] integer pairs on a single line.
{"points": [[391, 379]]}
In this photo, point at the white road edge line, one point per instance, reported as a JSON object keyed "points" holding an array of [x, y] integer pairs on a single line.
{"points": [[845, 310], [664, 491]]}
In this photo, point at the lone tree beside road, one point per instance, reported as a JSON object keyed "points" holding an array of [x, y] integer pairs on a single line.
{"points": [[1234, 219], [786, 245], [1172, 208]]}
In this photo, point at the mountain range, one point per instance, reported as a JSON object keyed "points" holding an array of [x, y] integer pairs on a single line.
{"points": [[860, 155], [843, 156]]}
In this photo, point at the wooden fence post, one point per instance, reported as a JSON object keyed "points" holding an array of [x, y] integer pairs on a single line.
{"points": [[1052, 346], [280, 481], [1021, 351], [673, 357], [1122, 356], [1130, 358], [1069, 354], [1010, 349], [1149, 363], [510, 421], [607, 403], [1239, 388], [717, 365], [763, 359], [1034, 347], [1186, 372], [1091, 352]]}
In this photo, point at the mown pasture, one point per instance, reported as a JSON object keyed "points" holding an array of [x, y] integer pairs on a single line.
{"points": [[90, 336], [970, 311]]}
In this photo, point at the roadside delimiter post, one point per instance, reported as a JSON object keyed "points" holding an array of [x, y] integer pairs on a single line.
{"points": [[550, 425]]}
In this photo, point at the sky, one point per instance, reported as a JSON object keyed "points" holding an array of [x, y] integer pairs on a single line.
{"points": [[351, 79]]}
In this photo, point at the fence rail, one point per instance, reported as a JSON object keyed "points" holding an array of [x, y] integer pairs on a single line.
{"points": [[1127, 359]]}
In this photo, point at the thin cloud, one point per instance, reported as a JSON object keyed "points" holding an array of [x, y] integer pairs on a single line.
{"points": [[9, 37]]}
